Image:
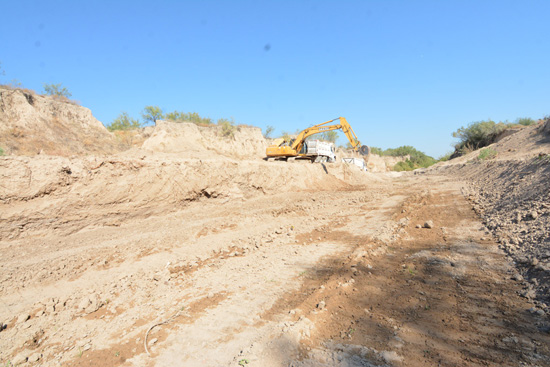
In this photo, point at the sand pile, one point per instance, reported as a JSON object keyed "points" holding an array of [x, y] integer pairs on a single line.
{"points": [[193, 141], [46, 193]]}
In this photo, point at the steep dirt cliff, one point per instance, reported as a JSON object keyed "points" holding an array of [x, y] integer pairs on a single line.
{"points": [[31, 124]]}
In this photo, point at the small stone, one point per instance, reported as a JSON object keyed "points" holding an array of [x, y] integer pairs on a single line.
{"points": [[153, 341], [34, 357], [19, 359], [210, 295], [534, 214], [534, 262], [23, 317], [517, 277], [429, 224], [419, 226], [321, 305], [84, 303], [86, 347]]}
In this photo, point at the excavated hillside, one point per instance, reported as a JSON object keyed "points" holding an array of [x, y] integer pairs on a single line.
{"points": [[32, 124], [511, 192], [183, 247]]}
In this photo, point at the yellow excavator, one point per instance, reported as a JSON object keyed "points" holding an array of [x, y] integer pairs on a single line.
{"points": [[296, 147]]}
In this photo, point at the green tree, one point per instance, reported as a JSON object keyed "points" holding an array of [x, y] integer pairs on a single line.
{"points": [[56, 90], [123, 122], [268, 131], [331, 136], [152, 114]]}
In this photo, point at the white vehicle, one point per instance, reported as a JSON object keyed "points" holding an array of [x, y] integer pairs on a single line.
{"points": [[319, 151], [356, 161]]}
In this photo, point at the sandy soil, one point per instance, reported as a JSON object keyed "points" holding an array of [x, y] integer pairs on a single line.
{"points": [[335, 276]]}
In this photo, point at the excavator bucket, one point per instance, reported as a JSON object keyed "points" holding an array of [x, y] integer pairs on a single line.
{"points": [[364, 150]]}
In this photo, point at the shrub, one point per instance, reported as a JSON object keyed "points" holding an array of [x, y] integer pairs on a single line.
{"points": [[268, 131], [487, 153], [376, 150], [407, 165], [477, 135], [330, 136], [124, 122], [525, 121], [1, 151], [152, 114], [417, 158], [178, 116], [445, 157], [56, 90], [228, 127]]}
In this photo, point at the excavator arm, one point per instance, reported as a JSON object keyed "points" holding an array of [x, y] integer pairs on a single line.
{"points": [[323, 127]]}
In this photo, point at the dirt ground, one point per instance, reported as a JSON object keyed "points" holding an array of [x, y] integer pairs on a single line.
{"points": [[339, 277]]}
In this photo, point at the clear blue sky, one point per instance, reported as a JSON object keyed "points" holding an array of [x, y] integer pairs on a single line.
{"points": [[401, 72]]}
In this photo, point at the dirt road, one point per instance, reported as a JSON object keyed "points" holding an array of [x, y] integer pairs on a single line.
{"points": [[301, 278]]}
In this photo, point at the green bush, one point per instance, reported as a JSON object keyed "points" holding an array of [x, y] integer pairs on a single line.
{"points": [[376, 150], [417, 158], [525, 121], [228, 127], [445, 157], [330, 136], [124, 122], [478, 134], [1, 151], [407, 165], [487, 153], [56, 90], [178, 116]]}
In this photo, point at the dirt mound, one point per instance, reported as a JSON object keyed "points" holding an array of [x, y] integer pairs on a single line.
{"points": [[193, 141], [31, 124], [40, 193]]}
